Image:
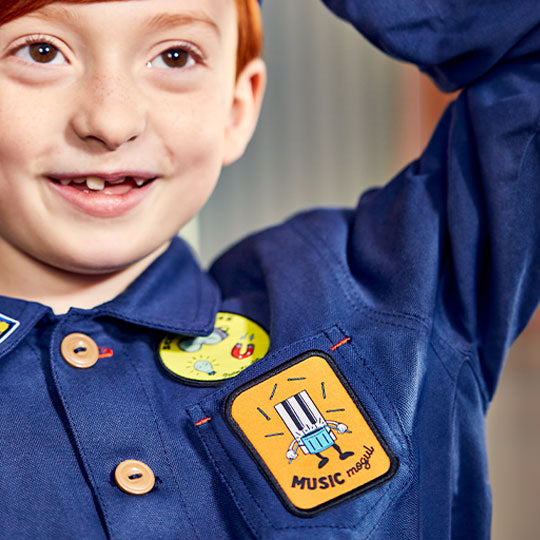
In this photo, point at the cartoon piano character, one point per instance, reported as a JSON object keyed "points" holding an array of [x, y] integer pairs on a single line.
{"points": [[311, 432]]}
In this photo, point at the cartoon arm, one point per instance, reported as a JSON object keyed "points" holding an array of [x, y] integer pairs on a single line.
{"points": [[291, 452], [339, 427]]}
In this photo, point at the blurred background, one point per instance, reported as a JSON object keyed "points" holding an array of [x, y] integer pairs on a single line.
{"points": [[340, 117]]}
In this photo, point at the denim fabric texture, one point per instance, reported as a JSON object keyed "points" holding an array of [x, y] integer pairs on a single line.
{"points": [[432, 277]]}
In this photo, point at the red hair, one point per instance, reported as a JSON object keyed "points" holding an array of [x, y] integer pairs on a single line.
{"points": [[250, 34]]}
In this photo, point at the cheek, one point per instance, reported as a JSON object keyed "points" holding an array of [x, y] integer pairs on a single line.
{"points": [[20, 137], [194, 134], [29, 123]]}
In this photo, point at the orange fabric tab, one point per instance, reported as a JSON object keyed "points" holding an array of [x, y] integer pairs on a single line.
{"points": [[311, 434], [105, 353], [340, 344]]}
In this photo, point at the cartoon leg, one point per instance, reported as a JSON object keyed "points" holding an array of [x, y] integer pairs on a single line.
{"points": [[342, 455], [324, 460]]}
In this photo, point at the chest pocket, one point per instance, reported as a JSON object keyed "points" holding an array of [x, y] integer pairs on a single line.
{"points": [[305, 439]]}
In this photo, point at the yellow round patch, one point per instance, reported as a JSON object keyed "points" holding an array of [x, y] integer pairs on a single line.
{"points": [[236, 343]]}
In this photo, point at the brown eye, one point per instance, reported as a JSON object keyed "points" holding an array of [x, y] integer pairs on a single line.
{"points": [[181, 57], [42, 52], [176, 58]]}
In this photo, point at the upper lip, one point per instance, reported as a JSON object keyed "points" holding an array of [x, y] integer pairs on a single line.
{"points": [[108, 177]]}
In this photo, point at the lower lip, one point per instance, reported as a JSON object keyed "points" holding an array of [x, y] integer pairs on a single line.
{"points": [[98, 203]]}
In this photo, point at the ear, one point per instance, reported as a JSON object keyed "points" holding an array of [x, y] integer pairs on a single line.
{"points": [[245, 108]]}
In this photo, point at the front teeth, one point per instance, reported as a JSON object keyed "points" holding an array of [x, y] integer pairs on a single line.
{"points": [[95, 183], [98, 184]]}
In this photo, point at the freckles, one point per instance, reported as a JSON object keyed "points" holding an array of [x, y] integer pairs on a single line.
{"points": [[30, 121], [26, 140], [19, 140]]}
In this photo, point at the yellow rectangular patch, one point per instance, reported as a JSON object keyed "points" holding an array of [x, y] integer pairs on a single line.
{"points": [[310, 434]]}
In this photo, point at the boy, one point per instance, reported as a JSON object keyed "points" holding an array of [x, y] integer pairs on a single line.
{"points": [[354, 352]]}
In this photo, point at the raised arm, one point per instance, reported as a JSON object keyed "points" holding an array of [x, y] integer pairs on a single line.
{"points": [[453, 241], [418, 292], [455, 238], [453, 41]]}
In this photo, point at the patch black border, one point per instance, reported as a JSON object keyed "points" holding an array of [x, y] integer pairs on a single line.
{"points": [[302, 512]]}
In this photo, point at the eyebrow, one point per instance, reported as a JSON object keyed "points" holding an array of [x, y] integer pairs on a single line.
{"points": [[161, 21], [169, 20]]}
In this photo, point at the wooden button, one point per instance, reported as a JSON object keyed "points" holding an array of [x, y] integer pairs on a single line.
{"points": [[134, 477], [79, 351]]}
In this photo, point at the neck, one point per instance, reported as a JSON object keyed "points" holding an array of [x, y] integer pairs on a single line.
{"points": [[29, 279]]}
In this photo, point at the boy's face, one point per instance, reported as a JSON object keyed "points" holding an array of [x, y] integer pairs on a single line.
{"points": [[124, 89]]}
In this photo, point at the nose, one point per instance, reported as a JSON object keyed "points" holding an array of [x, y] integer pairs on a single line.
{"points": [[109, 110]]}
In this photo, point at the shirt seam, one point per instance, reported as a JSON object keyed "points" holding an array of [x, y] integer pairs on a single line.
{"points": [[415, 319]]}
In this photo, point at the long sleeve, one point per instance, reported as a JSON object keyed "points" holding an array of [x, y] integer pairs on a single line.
{"points": [[455, 237], [454, 41]]}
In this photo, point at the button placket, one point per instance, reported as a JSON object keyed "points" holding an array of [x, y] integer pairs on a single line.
{"points": [[110, 410]]}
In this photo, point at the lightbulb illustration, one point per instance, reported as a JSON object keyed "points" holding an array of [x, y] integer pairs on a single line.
{"points": [[205, 366]]}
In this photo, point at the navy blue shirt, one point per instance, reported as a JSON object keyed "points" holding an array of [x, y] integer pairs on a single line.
{"points": [[414, 297]]}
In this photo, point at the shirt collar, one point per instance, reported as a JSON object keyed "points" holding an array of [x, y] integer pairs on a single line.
{"points": [[173, 294]]}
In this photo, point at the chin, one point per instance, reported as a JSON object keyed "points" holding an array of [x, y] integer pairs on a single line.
{"points": [[105, 259]]}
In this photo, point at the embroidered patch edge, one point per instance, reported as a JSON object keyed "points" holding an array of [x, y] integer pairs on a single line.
{"points": [[8, 320], [263, 467]]}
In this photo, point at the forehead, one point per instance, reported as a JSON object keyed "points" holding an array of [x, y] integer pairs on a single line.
{"points": [[211, 15]]}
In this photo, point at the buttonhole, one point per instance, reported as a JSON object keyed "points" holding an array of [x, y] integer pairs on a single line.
{"points": [[79, 349], [135, 476]]}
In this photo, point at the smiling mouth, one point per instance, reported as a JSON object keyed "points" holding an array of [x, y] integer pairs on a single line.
{"points": [[95, 184]]}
